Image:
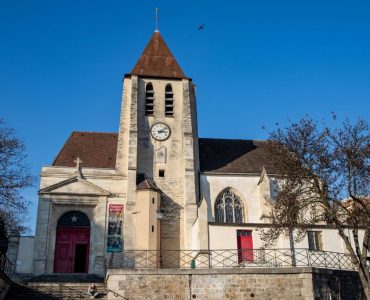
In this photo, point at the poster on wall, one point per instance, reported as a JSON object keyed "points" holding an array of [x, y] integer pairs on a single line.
{"points": [[114, 237]]}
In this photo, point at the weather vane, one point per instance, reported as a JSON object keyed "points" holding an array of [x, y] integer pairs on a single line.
{"points": [[156, 20]]}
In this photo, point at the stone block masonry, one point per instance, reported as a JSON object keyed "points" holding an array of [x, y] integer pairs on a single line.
{"points": [[266, 284], [337, 284]]}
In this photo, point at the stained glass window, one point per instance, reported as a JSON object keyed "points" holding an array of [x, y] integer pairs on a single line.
{"points": [[228, 208]]}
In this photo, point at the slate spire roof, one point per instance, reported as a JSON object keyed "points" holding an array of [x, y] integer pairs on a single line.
{"points": [[157, 60]]}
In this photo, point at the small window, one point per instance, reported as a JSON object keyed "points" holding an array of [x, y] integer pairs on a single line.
{"points": [[314, 240], [168, 99], [153, 201], [149, 100], [152, 228], [161, 173]]}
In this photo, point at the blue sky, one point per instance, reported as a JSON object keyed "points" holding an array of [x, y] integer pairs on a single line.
{"points": [[257, 63]]}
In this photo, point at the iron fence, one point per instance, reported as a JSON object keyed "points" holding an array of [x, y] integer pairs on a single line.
{"points": [[230, 258]]}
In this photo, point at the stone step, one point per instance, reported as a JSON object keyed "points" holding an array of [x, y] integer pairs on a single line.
{"points": [[57, 287], [88, 278]]}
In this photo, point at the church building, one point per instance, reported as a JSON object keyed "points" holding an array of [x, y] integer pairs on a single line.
{"points": [[154, 184]]}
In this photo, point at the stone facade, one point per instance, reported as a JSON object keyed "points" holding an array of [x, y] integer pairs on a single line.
{"points": [[263, 284], [137, 149], [64, 190], [189, 176]]}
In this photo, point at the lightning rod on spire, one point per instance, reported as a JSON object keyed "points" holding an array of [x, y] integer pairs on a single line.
{"points": [[156, 19]]}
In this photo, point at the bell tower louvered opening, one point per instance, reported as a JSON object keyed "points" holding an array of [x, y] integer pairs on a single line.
{"points": [[168, 101], [149, 100]]}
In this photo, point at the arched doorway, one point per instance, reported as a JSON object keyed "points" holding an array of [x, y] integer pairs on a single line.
{"points": [[72, 243]]}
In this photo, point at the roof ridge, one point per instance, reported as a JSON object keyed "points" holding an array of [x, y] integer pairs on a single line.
{"points": [[95, 132], [202, 138]]}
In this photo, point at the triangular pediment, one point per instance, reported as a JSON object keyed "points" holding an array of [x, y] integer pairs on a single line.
{"points": [[75, 186]]}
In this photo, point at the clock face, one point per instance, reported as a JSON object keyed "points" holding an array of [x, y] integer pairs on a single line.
{"points": [[160, 131]]}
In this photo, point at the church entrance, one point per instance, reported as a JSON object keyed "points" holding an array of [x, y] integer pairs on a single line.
{"points": [[72, 243], [245, 245]]}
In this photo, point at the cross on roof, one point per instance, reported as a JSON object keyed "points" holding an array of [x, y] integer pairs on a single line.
{"points": [[156, 20], [78, 161]]}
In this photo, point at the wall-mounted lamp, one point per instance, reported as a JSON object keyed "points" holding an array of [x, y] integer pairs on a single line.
{"points": [[160, 214]]}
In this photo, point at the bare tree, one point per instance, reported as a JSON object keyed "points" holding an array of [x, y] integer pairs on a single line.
{"points": [[14, 177], [323, 177]]}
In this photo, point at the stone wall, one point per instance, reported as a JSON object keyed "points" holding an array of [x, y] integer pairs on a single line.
{"points": [[336, 284], [266, 284], [25, 254]]}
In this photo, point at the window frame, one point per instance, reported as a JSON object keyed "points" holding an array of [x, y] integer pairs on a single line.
{"points": [[229, 208], [314, 239]]}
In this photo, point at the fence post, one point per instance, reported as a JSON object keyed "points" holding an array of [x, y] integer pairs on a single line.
{"points": [[308, 257], [275, 258], [339, 261]]}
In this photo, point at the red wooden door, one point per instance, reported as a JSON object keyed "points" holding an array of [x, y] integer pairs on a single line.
{"points": [[245, 245], [72, 250]]}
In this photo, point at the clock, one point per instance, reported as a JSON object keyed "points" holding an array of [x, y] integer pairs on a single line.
{"points": [[160, 131]]}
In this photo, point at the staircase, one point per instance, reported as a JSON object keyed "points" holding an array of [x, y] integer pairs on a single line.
{"points": [[57, 287]]}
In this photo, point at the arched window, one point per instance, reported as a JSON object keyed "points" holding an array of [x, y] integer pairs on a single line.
{"points": [[168, 99], [74, 218], [149, 99], [228, 208]]}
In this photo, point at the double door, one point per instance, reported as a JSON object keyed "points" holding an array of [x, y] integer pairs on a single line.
{"points": [[72, 250]]}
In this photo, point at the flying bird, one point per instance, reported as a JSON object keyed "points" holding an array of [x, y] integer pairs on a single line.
{"points": [[201, 27]]}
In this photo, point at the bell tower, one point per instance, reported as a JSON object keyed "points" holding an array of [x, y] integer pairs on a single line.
{"points": [[158, 139]]}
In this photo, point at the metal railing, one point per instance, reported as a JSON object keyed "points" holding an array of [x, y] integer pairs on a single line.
{"points": [[244, 258]]}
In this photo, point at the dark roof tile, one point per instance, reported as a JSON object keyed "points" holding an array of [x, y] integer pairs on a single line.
{"points": [[234, 156], [144, 182], [95, 149], [98, 150]]}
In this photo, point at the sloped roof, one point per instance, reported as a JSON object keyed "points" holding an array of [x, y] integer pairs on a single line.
{"points": [[157, 60], [144, 182], [95, 149], [234, 156], [98, 150]]}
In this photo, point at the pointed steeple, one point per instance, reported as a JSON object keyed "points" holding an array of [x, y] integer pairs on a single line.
{"points": [[157, 60]]}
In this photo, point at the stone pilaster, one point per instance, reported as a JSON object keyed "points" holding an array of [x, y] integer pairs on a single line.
{"points": [[191, 160]]}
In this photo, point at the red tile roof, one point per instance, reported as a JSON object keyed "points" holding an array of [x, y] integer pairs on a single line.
{"points": [[157, 60], [98, 150], [144, 182], [95, 149]]}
